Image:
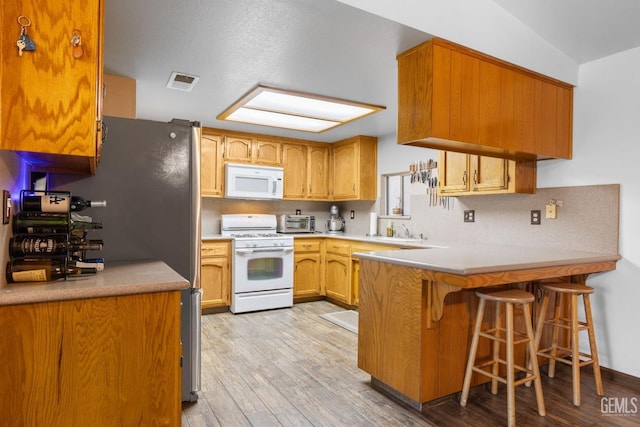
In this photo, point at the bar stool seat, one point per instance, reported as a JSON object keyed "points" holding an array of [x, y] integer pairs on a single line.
{"points": [[508, 337], [556, 353]]}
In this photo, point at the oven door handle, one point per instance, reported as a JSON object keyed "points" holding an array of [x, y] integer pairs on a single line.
{"points": [[251, 251]]}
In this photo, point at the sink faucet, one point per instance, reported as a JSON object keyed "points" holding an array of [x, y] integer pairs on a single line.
{"points": [[402, 231]]}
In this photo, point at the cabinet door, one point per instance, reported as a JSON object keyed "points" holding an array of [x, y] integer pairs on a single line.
{"points": [[318, 173], [489, 173], [237, 149], [453, 172], [215, 283], [464, 104], [294, 159], [355, 281], [211, 166], [337, 277], [307, 279], [51, 101], [266, 152], [345, 170]]}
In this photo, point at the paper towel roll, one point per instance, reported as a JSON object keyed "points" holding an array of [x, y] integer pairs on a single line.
{"points": [[373, 224]]}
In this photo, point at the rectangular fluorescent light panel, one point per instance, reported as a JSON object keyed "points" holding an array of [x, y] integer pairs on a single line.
{"points": [[295, 110]]}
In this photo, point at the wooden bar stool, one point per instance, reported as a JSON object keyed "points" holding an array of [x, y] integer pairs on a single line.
{"points": [[556, 353], [506, 336]]}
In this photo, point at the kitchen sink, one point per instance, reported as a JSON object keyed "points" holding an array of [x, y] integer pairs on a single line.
{"points": [[399, 239]]}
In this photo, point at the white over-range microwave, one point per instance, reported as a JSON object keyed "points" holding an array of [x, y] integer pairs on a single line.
{"points": [[253, 182]]}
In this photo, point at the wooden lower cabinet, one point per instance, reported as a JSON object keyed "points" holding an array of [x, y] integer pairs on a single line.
{"points": [[308, 277], [215, 274], [92, 362], [337, 277], [342, 268], [355, 265]]}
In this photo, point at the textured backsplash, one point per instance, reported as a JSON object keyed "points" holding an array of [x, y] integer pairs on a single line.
{"points": [[588, 219]]}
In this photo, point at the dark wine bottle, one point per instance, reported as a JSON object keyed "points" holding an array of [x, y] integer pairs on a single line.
{"points": [[41, 223], [42, 270], [79, 204], [49, 223], [51, 244]]}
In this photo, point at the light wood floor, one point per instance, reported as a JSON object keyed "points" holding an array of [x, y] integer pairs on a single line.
{"points": [[290, 367]]}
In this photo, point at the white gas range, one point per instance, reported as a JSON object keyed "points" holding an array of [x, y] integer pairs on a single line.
{"points": [[262, 264]]}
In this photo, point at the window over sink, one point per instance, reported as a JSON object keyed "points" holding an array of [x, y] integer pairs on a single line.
{"points": [[395, 200]]}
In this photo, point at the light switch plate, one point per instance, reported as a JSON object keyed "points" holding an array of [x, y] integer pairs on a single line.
{"points": [[6, 206]]}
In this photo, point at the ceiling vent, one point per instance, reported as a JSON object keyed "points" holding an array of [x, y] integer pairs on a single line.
{"points": [[182, 81]]}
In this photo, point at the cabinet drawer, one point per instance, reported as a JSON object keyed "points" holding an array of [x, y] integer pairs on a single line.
{"points": [[306, 245], [210, 249], [337, 247], [371, 248]]}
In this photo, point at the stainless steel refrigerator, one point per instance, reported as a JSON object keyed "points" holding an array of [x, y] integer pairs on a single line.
{"points": [[149, 174]]}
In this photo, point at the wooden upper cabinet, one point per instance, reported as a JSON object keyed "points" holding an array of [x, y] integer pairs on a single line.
{"points": [[306, 170], [267, 152], [250, 150], [462, 174], [51, 108], [354, 168], [211, 165], [318, 172], [457, 99], [237, 149], [294, 158]]}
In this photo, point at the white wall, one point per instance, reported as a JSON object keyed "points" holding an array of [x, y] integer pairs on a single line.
{"points": [[12, 179], [479, 24], [606, 150]]}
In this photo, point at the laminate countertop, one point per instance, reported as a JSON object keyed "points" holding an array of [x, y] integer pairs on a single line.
{"points": [[117, 279], [482, 258], [396, 241]]}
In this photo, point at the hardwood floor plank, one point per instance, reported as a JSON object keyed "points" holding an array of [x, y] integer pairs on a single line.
{"points": [[290, 367]]}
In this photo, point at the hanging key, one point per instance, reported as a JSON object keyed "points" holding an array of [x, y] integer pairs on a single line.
{"points": [[24, 43], [21, 44]]}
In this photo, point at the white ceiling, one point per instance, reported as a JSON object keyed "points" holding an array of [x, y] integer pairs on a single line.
{"points": [[317, 46], [584, 30]]}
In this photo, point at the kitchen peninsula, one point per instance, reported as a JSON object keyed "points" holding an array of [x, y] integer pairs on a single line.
{"points": [[417, 308], [98, 350]]}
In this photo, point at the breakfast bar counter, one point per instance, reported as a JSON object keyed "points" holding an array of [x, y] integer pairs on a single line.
{"points": [[417, 307]]}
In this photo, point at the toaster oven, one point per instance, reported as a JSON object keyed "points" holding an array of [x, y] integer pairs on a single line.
{"points": [[296, 224]]}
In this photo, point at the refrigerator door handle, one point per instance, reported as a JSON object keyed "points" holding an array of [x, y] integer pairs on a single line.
{"points": [[196, 323]]}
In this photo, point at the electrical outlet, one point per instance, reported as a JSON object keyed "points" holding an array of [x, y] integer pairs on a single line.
{"points": [[6, 206], [470, 216], [352, 215], [536, 217]]}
